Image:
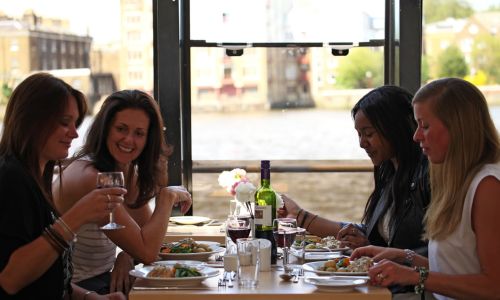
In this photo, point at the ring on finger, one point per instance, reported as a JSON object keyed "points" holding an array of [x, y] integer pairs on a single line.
{"points": [[109, 197], [380, 276]]}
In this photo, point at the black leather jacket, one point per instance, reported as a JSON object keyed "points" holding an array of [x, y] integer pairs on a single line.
{"points": [[407, 227]]}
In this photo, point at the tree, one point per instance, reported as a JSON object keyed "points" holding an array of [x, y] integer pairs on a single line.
{"points": [[486, 56], [424, 76], [437, 10], [362, 68], [6, 92], [451, 63]]}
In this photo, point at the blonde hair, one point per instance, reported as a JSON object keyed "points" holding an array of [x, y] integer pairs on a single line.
{"points": [[473, 143]]}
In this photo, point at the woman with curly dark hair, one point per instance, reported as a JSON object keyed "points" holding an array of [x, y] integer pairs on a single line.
{"points": [[126, 136]]}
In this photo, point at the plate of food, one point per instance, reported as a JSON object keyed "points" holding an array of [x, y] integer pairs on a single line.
{"points": [[335, 284], [340, 266], [174, 275], [189, 249], [326, 244], [190, 263], [189, 220]]}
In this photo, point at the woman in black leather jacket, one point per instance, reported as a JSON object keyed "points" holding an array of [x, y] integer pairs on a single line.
{"points": [[394, 211]]}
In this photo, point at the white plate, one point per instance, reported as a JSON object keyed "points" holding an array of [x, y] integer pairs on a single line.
{"points": [[212, 244], [335, 284], [312, 256], [191, 263], [315, 265], [189, 220], [325, 249], [201, 256], [206, 272]]}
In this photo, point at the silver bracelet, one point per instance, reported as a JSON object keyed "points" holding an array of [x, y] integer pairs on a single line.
{"points": [[409, 256]]}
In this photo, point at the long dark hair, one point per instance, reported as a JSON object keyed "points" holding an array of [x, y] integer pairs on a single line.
{"points": [[146, 164], [390, 111], [33, 112]]}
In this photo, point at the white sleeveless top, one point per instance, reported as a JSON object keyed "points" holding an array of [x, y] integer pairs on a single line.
{"points": [[457, 253], [93, 254]]}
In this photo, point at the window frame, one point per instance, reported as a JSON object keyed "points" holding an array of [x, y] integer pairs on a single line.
{"points": [[171, 37]]}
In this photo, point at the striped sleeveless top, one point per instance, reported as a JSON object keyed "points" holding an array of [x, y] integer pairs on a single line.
{"points": [[93, 254]]}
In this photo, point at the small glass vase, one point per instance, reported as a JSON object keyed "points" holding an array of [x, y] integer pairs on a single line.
{"points": [[233, 207]]}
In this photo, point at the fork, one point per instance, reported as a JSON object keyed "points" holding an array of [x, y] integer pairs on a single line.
{"points": [[229, 276], [221, 283]]}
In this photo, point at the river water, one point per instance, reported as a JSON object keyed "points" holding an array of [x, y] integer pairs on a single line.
{"points": [[303, 134]]}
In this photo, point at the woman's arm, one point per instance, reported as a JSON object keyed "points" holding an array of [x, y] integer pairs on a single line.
{"points": [[142, 240], [313, 223], [27, 263], [471, 286], [485, 222]]}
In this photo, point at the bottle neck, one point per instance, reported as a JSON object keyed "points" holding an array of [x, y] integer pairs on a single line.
{"points": [[265, 177]]}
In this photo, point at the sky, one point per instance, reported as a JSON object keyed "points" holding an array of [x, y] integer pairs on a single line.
{"points": [[100, 18]]}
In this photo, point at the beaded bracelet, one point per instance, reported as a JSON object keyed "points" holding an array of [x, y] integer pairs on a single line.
{"points": [[66, 229], [409, 256], [422, 273]]}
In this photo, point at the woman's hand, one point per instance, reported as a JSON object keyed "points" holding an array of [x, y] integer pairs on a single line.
{"points": [[350, 236], [387, 273], [290, 208], [178, 195], [379, 253], [121, 281], [96, 205]]}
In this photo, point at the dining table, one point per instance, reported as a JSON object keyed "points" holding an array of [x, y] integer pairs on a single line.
{"points": [[270, 285]]}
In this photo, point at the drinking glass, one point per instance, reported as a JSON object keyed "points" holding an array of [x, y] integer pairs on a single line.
{"points": [[298, 249], [284, 230], [107, 180], [248, 250]]}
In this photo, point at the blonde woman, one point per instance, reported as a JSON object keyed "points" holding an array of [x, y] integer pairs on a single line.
{"points": [[457, 134]]}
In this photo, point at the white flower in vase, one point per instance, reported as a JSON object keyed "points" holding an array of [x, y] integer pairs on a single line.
{"points": [[244, 194]]}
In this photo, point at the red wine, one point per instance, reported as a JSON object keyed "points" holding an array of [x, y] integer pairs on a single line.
{"points": [[284, 238], [237, 233]]}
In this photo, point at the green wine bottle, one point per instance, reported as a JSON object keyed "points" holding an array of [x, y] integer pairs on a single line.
{"points": [[265, 208]]}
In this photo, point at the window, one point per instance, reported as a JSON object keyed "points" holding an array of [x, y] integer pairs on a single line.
{"points": [[267, 103]]}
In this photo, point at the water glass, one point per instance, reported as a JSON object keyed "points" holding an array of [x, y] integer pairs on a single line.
{"points": [[248, 262], [299, 246]]}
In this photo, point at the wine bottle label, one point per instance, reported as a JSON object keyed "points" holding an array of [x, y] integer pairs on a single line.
{"points": [[263, 215]]}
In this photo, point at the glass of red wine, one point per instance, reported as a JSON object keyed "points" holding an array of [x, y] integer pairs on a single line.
{"points": [[284, 231], [106, 180], [237, 228]]}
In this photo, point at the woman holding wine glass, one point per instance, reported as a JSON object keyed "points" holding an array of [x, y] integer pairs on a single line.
{"points": [[36, 240], [126, 136]]}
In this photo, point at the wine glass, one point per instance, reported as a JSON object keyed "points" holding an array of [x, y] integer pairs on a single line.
{"points": [[238, 227], [284, 230], [107, 180]]}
